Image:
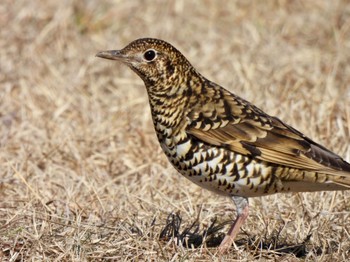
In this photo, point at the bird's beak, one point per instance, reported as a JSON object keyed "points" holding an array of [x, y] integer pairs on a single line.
{"points": [[112, 55]]}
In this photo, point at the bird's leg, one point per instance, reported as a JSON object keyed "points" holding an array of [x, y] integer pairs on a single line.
{"points": [[242, 214]]}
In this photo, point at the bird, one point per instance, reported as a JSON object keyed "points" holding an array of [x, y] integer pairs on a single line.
{"points": [[221, 141]]}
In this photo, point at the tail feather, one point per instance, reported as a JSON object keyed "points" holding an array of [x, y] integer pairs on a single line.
{"points": [[307, 181], [343, 180]]}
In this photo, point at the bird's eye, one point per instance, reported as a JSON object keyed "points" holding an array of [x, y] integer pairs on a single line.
{"points": [[149, 55]]}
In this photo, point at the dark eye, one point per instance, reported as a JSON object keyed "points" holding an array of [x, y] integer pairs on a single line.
{"points": [[149, 55]]}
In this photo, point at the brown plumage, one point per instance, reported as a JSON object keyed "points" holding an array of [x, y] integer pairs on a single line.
{"points": [[222, 142]]}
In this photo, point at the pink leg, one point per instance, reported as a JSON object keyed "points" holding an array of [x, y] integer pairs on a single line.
{"points": [[242, 214]]}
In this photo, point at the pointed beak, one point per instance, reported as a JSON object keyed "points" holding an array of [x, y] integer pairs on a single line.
{"points": [[112, 55]]}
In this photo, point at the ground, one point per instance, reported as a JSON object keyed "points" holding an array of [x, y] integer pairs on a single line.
{"points": [[82, 177]]}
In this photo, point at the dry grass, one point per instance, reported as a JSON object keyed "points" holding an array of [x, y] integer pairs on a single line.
{"points": [[81, 174]]}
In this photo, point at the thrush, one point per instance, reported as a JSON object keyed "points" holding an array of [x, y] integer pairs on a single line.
{"points": [[222, 142]]}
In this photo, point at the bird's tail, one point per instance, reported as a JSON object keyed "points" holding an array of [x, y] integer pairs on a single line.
{"points": [[306, 181]]}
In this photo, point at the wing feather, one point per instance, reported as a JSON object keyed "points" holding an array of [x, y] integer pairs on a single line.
{"points": [[245, 129]]}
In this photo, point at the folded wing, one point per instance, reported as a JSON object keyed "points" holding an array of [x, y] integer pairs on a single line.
{"points": [[231, 122]]}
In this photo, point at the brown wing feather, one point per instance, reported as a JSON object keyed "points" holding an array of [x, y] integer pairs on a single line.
{"points": [[247, 130]]}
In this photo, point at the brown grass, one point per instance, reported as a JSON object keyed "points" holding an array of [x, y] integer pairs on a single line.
{"points": [[81, 174]]}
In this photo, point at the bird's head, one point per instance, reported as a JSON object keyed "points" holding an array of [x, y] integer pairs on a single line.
{"points": [[157, 62]]}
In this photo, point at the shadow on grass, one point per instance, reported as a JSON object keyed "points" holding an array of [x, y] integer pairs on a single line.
{"points": [[192, 236]]}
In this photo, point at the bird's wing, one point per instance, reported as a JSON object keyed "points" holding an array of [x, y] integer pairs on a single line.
{"points": [[231, 122]]}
